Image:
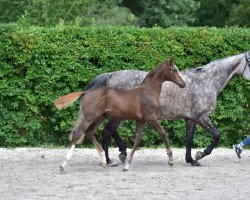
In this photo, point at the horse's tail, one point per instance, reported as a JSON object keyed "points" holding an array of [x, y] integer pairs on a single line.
{"points": [[98, 81], [67, 100]]}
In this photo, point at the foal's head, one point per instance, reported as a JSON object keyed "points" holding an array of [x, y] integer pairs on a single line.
{"points": [[171, 73]]}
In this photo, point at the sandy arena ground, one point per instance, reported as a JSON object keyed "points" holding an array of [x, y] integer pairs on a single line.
{"points": [[33, 173]]}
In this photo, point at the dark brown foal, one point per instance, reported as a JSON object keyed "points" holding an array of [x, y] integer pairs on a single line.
{"points": [[140, 104]]}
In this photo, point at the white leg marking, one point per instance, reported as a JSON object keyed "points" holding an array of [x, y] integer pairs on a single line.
{"points": [[68, 156], [79, 141], [103, 158], [70, 152], [125, 167]]}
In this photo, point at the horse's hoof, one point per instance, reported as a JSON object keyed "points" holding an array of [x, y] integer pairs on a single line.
{"points": [[113, 164], [61, 168], [122, 158], [195, 164], [104, 165], [171, 163], [198, 155], [125, 169]]}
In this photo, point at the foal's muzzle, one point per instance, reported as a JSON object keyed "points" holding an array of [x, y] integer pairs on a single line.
{"points": [[182, 84]]}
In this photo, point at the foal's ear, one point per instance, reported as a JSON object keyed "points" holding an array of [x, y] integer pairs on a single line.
{"points": [[171, 60]]}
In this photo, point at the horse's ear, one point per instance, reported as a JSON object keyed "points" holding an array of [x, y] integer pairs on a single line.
{"points": [[171, 60]]}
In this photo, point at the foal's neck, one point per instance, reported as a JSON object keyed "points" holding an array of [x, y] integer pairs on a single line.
{"points": [[153, 85]]}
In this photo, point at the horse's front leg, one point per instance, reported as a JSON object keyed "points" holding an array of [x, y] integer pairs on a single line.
{"points": [[208, 126], [155, 124], [190, 130], [139, 128], [108, 131]]}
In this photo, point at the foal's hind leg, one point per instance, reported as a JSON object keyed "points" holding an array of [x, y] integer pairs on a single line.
{"points": [[155, 124], [90, 134], [76, 134], [139, 127]]}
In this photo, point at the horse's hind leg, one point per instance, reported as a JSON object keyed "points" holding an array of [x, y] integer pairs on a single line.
{"points": [[90, 134], [67, 158], [155, 124], [76, 134], [139, 127], [76, 130], [110, 130], [74, 141], [121, 145]]}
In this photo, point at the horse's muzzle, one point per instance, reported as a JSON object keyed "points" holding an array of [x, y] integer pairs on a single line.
{"points": [[182, 84]]}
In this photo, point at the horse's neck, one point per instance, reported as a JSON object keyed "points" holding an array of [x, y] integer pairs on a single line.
{"points": [[152, 85], [219, 73]]}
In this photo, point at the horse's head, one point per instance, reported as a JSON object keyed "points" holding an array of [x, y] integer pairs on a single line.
{"points": [[245, 65], [171, 73]]}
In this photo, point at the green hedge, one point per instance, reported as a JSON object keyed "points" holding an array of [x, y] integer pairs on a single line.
{"points": [[40, 64]]}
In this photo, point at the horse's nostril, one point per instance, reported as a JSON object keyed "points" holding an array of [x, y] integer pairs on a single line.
{"points": [[183, 84]]}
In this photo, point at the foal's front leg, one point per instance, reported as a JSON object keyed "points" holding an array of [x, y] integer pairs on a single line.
{"points": [[139, 128], [155, 124]]}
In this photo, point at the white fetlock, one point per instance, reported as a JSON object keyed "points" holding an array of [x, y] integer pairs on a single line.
{"points": [[104, 165], [171, 163], [125, 168]]}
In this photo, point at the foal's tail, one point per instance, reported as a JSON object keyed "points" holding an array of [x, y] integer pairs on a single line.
{"points": [[66, 100]]}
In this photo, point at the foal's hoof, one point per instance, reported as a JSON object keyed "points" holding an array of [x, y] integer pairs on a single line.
{"points": [[171, 163], [122, 158], [61, 168], [198, 155], [104, 165], [125, 169]]}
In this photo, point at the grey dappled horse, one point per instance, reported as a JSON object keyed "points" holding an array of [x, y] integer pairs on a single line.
{"points": [[194, 103]]}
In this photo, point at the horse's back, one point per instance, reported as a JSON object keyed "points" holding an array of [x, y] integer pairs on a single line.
{"points": [[126, 79]]}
